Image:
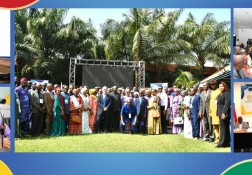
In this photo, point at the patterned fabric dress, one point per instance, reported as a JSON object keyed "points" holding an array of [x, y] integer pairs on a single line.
{"points": [[94, 108], [85, 115], [58, 123], [176, 129], [24, 98], [154, 124], [75, 128]]}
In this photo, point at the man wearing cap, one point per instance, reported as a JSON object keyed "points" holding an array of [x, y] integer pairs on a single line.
{"points": [[25, 106], [213, 108]]}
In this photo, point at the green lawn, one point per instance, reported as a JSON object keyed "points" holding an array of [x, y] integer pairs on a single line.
{"points": [[115, 143]]}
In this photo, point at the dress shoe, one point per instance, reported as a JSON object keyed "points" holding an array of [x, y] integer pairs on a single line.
{"points": [[211, 140], [206, 139]]}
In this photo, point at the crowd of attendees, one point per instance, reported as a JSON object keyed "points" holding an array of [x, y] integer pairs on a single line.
{"points": [[242, 63], [200, 112]]}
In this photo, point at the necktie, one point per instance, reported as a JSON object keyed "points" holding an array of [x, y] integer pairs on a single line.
{"points": [[104, 100], [239, 75], [168, 105]]}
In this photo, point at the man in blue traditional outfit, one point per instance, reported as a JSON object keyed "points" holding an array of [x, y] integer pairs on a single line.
{"points": [[129, 113], [25, 105]]}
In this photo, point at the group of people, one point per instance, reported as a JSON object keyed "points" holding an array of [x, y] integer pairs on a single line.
{"points": [[200, 112], [242, 63]]}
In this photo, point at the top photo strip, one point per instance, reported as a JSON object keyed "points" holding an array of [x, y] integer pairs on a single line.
{"points": [[123, 80], [242, 45]]}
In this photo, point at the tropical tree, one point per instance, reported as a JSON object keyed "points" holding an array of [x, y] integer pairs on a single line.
{"points": [[44, 43], [163, 44], [210, 40], [185, 78]]}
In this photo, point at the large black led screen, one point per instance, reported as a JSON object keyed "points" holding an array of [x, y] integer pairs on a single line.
{"points": [[93, 76]]}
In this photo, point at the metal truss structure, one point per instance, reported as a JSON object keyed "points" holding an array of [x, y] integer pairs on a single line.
{"points": [[136, 65]]}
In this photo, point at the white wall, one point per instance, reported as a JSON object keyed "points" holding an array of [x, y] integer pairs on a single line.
{"points": [[243, 35], [237, 101]]}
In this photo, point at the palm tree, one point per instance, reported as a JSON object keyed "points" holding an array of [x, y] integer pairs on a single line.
{"points": [[48, 43], [185, 78], [210, 40], [163, 44]]}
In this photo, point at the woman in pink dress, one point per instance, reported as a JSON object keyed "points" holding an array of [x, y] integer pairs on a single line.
{"points": [[94, 106]]}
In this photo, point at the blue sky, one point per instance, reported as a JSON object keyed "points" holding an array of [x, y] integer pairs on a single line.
{"points": [[99, 15]]}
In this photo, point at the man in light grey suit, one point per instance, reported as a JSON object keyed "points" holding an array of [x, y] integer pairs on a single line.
{"points": [[204, 112], [238, 73], [38, 109]]}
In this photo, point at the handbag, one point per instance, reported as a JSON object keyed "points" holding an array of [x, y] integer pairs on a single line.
{"points": [[178, 121], [155, 114], [76, 119]]}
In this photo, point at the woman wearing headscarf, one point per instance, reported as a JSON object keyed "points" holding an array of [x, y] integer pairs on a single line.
{"points": [[58, 122], [223, 111], [147, 95], [94, 108], [154, 123], [176, 129], [185, 104], [76, 108], [86, 111]]}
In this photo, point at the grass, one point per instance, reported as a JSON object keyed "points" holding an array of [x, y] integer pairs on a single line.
{"points": [[115, 143]]}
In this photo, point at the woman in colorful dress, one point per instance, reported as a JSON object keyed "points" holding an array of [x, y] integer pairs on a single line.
{"points": [[58, 123], [185, 107], [154, 124], [176, 129], [86, 111], [76, 108], [94, 108]]}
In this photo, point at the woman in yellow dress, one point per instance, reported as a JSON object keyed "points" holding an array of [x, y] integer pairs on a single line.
{"points": [[154, 124]]}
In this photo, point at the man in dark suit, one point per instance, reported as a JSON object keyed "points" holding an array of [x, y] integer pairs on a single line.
{"points": [[115, 110], [142, 113], [204, 112], [38, 109], [104, 108], [194, 113]]}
